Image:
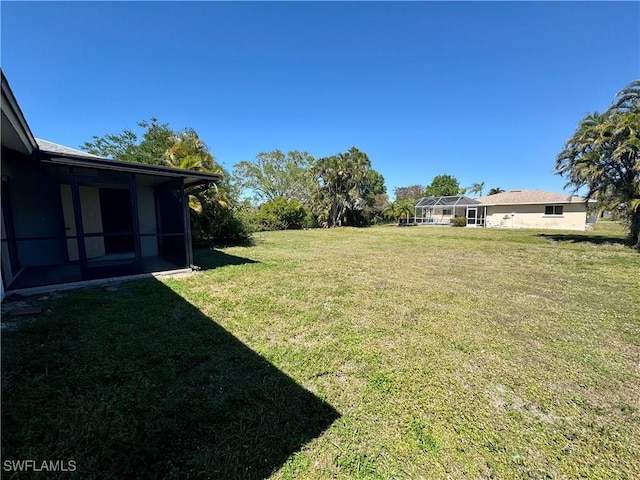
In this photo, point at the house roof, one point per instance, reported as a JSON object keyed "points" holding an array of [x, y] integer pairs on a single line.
{"points": [[47, 146], [50, 152], [514, 197], [446, 201]]}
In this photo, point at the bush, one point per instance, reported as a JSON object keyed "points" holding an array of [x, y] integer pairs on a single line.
{"points": [[310, 220], [283, 214], [459, 222], [217, 225]]}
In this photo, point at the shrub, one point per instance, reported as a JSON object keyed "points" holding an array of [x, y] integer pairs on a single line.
{"points": [[282, 214], [459, 222], [218, 225]]}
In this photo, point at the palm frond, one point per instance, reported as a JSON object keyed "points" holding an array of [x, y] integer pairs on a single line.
{"points": [[195, 204]]}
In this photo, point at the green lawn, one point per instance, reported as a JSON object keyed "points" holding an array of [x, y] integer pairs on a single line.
{"points": [[385, 352]]}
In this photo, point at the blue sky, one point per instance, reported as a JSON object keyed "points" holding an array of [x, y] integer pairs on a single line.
{"points": [[482, 91]]}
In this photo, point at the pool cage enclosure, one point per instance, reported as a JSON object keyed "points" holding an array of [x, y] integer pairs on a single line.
{"points": [[440, 211]]}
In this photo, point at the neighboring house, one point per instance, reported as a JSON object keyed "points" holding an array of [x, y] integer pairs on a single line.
{"points": [[535, 209], [513, 209], [69, 216]]}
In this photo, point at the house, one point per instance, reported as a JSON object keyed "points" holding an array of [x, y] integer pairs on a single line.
{"points": [[512, 209], [69, 216], [535, 209]]}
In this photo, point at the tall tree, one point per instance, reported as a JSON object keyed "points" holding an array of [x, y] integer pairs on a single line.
{"points": [[495, 191], [156, 139], [273, 175], [412, 192], [339, 180], [372, 184], [442, 185], [603, 155], [476, 189]]}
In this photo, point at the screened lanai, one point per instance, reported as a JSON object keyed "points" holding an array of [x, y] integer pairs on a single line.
{"points": [[70, 216], [440, 210]]}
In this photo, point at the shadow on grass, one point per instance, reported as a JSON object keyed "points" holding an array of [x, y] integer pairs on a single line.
{"points": [[208, 259], [585, 238], [138, 383]]}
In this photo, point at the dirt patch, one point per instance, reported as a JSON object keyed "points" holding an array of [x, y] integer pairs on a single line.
{"points": [[502, 398], [17, 309]]}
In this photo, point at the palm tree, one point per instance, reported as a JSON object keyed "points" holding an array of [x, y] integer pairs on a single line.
{"points": [[339, 179], [188, 152], [603, 155], [628, 100], [476, 188], [495, 191], [399, 209], [389, 211]]}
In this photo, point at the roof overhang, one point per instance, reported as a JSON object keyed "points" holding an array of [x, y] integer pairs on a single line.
{"points": [[16, 133], [189, 177]]}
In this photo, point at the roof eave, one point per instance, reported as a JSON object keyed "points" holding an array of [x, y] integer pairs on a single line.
{"points": [[189, 177]]}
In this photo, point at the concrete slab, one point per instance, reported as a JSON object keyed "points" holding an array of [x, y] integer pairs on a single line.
{"points": [[179, 273]]}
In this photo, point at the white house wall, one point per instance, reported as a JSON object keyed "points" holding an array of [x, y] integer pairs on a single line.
{"points": [[532, 216]]}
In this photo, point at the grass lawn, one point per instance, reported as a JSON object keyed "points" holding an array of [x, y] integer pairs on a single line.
{"points": [[384, 352]]}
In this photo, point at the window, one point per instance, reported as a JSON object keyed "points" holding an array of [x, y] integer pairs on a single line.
{"points": [[553, 210], [446, 211]]}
